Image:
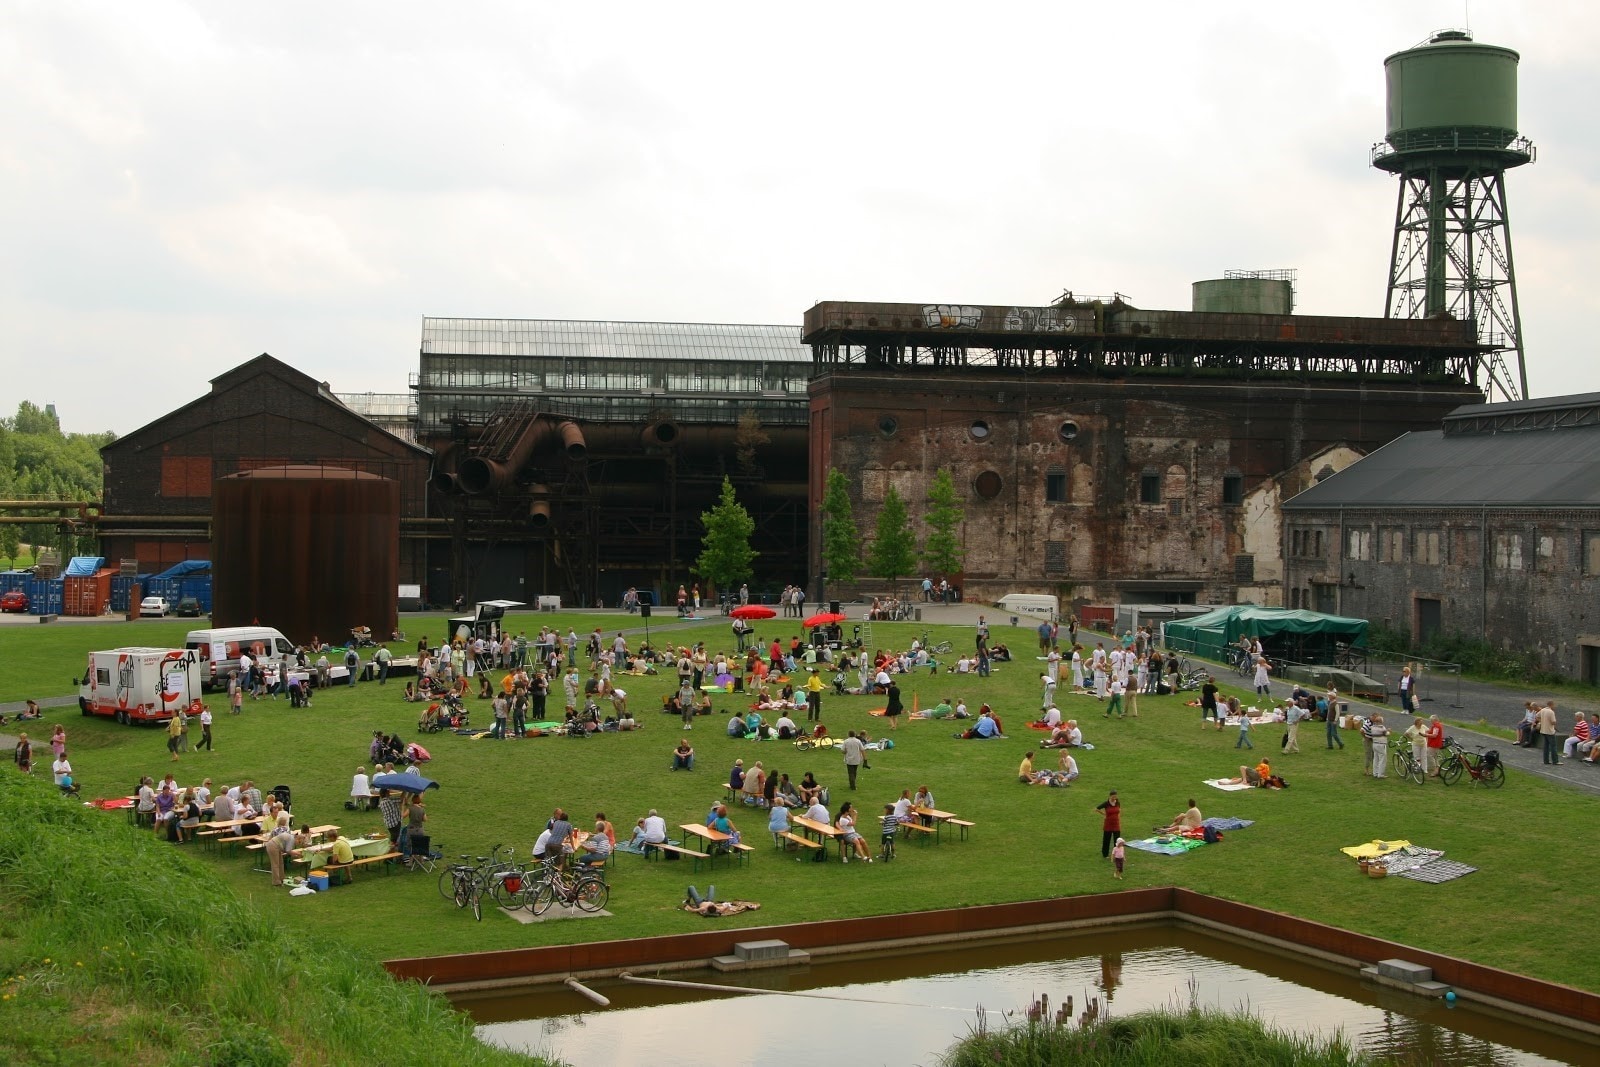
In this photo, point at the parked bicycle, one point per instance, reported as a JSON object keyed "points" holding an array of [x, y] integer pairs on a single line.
{"points": [[585, 889], [1405, 761], [934, 648], [1482, 767], [465, 884]]}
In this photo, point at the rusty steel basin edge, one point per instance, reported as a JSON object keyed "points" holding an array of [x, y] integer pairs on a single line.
{"points": [[557, 961]]}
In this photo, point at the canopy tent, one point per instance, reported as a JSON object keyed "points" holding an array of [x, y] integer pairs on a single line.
{"points": [[187, 568], [1306, 636]]}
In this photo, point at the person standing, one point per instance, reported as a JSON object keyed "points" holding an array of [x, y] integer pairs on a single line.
{"points": [[58, 740], [1115, 705], [1244, 731], [205, 728], [1333, 719], [1378, 739], [24, 753], [1436, 745], [1119, 853], [174, 735], [1408, 691], [814, 687], [1417, 735], [1208, 702], [382, 657], [1546, 720], [1048, 699], [1263, 685], [1291, 741], [893, 709], [855, 754], [1111, 823]]}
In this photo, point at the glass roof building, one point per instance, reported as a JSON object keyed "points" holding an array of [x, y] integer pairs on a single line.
{"points": [[610, 371]]}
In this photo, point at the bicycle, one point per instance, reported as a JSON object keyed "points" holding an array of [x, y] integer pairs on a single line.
{"points": [[482, 871], [1483, 767], [934, 648], [1404, 760], [465, 888], [586, 890]]}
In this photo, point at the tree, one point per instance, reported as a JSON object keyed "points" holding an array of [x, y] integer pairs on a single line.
{"points": [[725, 552], [747, 437], [10, 543], [841, 541], [893, 554], [942, 552]]}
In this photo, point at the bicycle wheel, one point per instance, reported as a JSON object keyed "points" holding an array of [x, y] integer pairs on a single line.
{"points": [[477, 901], [1494, 777], [805, 744], [1415, 772], [507, 887], [543, 897], [1451, 770], [591, 894], [462, 894], [447, 883]]}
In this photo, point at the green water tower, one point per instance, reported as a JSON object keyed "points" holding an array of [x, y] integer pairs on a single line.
{"points": [[1451, 136]]}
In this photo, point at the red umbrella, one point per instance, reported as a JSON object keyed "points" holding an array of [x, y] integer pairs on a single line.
{"points": [[753, 611], [826, 618]]}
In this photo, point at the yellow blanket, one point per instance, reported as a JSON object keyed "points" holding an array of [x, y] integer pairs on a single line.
{"points": [[1373, 849]]}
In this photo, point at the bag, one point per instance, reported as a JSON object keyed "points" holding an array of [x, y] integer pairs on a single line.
{"points": [[1210, 835], [822, 796], [349, 805], [820, 855], [1283, 742], [1491, 760]]}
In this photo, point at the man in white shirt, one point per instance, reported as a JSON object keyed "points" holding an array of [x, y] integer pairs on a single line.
{"points": [[817, 813], [361, 789], [1052, 716], [785, 727]]}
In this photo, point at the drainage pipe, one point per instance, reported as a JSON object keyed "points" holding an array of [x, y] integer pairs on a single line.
{"points": [[577, 986], [712, 987]]}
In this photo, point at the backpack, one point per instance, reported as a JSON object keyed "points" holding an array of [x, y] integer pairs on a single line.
{"points": [[1210, 835]]}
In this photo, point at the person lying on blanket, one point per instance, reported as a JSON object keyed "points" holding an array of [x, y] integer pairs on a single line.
{"points": [[1255, 776]]}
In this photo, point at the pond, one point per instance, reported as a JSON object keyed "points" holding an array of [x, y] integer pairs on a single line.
{"points": [[907, 1009]]}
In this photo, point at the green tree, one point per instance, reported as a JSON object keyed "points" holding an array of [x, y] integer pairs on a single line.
{"points": [[841, 541], [893, 554], [10, 543], [725, 552], [942, 551]]}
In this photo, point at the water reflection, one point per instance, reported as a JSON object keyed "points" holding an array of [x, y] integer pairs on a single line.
{"points": [[908, 1009]]}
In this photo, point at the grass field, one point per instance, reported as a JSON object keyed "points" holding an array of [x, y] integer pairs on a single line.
{"points": [[1029, 843]]}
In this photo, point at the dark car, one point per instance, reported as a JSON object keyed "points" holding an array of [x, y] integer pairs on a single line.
{"points": [[187, 606], [16, 600]]}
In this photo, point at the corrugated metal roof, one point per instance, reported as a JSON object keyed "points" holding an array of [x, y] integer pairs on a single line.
{"points": [[1429, 469], [569, 338]]}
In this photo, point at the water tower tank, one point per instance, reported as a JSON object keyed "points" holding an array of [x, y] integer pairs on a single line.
{"points": [[1451, 87], [310, 550], [1244, 295]]}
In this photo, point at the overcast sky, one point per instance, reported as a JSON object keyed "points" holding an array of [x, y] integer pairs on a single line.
{"points": [[185, 185]]}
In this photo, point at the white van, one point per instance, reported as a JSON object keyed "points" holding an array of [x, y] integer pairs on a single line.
{"points": [[140, 684], [1031, 604], [218, 650]]}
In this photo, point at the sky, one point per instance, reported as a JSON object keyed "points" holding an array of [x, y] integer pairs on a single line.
{"points": [[186, 185]]}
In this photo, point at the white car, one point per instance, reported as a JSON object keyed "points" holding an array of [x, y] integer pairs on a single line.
{"points": [[155, 605]]}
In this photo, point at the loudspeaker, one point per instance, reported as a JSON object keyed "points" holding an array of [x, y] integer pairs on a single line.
{"points": [[644, 611], [833, 606]]}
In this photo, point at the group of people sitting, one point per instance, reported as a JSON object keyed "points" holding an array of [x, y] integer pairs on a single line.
{"points": [[1065, 774]]}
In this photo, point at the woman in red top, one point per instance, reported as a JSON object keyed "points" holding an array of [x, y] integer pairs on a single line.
{"points": [[1435, 732], [1111, 828]]}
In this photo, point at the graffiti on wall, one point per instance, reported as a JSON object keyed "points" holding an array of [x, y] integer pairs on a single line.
{"points": [[1038, 320], [952, 316]]}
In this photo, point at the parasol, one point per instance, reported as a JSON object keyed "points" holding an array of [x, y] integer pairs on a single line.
{"points": [[406, 783], [753, 611], [826, 618]]}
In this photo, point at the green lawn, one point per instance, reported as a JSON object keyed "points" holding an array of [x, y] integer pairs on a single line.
{"points": [[1029, 843]]}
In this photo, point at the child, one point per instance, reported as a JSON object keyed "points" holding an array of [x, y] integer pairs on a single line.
{"points": [[1118, 853], [1244, 731], [890, 825]]}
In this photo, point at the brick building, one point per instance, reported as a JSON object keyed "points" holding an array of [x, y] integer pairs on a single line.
{"points": [[1487, 526], [1108, 454]]}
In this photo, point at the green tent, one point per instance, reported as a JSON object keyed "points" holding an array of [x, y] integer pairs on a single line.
{"points": [[1306, 636]]}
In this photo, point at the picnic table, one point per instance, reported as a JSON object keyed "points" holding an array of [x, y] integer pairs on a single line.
{"points": [[824, 832], [941, 819], [716, 841]]}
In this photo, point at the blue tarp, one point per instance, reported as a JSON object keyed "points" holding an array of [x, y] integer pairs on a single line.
{"points": [[187, 567], [83, 566]]}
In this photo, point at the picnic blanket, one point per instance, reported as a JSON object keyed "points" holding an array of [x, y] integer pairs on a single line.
{"points": [[1168, 846], [1225, 785], [1374, 849], [1436, 871], [112, 804], [1407, 859], [1228, 823]]}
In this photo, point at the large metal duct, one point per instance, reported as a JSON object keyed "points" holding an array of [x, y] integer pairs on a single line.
{"points": [[614, 438], [572, 441], [539, 510], [477, 474], [660, 433], [443, 476]]}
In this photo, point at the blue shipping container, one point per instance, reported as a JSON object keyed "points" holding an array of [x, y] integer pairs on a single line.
{"points": [[12, 580], [44, 595]]}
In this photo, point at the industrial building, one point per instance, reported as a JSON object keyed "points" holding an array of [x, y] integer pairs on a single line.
{"points": [[1107, 453], [1488, 527]]}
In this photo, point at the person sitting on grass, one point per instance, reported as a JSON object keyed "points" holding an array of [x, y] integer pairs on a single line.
{"points": [[985, 728], [1185, 820], [683, 756], [1025, 773]]}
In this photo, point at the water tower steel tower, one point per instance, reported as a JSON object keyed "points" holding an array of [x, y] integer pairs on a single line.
{"points": [[1452, 135]]}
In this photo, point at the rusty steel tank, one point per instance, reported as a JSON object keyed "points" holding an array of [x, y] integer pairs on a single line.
{"points": [[310, 550]]}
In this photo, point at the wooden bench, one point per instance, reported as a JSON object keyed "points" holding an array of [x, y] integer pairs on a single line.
{"points": [[678, 850], [963, 825], [924, 832], [742, 850], [796, 840], [333, 869]]}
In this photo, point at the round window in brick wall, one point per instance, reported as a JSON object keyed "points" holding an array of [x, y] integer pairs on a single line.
{"points": [[988, 485]]}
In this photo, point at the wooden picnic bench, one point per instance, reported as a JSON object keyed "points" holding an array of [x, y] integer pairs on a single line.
{"points": [[920, 831], [678, 850], [823, 831], [333, 869], [795, 839]]}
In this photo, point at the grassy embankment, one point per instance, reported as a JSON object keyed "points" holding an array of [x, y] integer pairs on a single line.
{"points": [[115, 947], [1030, 843]]}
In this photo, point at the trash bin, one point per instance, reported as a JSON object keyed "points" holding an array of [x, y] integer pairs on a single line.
{"points": [[916, 613]]}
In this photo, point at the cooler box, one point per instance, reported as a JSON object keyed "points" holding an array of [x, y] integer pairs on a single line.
{"points": [[318, 881]]}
